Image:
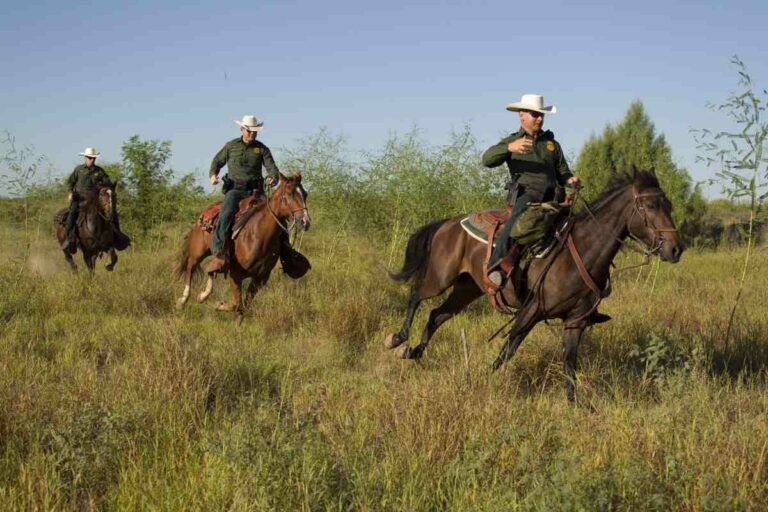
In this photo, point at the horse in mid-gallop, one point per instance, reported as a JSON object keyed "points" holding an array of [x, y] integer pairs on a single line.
{"points": [[256, 248], [566, 284], [95, 229]]}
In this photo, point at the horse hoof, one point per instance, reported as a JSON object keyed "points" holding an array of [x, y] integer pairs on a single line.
{"points": [[110, 268], [180, 304], [239, 320], [402, 352], [392, 341], [223, 306]]}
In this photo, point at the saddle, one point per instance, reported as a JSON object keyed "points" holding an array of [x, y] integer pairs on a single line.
{"points": [[483, 226], [208, 217], [60, 217]]}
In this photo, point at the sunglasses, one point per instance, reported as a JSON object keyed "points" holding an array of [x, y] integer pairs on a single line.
{"points": [[534, 114]]}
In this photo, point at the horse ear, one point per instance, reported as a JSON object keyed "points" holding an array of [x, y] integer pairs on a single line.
{"points": [[652, 172]]}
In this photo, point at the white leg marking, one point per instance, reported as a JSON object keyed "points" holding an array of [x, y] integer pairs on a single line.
{"points": [[207, 292]]}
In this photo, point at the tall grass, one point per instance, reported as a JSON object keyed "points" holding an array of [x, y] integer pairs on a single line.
{"points": [[112, 400]]}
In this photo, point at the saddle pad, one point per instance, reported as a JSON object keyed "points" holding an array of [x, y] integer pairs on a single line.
{"points": [[207, 219], [479, 225]]}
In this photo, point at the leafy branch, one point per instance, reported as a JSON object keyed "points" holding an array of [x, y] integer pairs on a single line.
{"points": [[739, 156]]}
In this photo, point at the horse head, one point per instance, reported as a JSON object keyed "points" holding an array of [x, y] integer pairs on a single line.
{"points": [[105, 200], [650, 220], [292, 200]]}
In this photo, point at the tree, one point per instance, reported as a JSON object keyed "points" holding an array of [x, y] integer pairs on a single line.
{"points": [[152, 197], [739, 156], [634, 142]]}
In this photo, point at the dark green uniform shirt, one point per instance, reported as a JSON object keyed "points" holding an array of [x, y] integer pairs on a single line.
{"points": [[86, 179], [540, 170], [244, 163]]}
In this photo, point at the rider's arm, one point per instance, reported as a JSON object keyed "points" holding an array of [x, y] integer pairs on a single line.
{"points": [[498, 154], [561, 165], [72, 181], [269, 163], [219, 161]]}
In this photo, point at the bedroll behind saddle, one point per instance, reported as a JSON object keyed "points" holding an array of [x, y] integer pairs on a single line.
{"points": [[208, 217]]}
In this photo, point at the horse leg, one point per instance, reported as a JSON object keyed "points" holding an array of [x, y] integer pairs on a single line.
{"points": [[464, 292], [396, 339], [571, 338], [193, 251], [254, 286], [235, 284], [89, 260], [526, 319], [112, 260], [70, 260], [203, 296]]}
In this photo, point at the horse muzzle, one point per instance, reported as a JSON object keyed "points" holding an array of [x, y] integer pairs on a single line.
{"points": [[671, 251], [305, 222]]}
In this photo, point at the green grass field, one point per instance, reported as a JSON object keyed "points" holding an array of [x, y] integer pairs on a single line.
{"points": [[113, 400]]}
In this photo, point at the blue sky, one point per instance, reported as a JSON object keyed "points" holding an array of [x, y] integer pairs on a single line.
{"points": [[79, 74]]}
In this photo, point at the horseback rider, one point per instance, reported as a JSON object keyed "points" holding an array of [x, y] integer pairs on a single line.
{"points": [[538, 172], [83, 184], [244, 158]]}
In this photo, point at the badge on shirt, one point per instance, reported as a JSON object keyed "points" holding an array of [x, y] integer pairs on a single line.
{"points": [[550, 145]]}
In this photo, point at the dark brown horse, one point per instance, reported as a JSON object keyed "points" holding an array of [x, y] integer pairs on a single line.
{"points": [[256, 248], [442, 255], [95, 231]]}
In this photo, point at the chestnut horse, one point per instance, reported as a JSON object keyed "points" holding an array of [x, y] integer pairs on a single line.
{"points": [[442, 255], [256, 248], [95, 231]]}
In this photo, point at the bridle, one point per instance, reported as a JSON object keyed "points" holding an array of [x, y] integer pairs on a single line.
{"points": [[658, 233], [284, 200]]}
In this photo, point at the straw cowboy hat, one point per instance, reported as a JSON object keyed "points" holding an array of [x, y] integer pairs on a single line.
{"points": [[534, 102], [90, 152], [250, 123]]}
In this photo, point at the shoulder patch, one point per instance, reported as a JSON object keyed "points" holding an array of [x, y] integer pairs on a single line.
{"points": [[256, 151], [550, 146]]}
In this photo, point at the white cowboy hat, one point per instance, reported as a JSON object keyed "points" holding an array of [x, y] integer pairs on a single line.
{"points": [[250, 123], [534, 102], [90, 152]]}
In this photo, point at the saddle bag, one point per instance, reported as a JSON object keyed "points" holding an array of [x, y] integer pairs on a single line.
{"points": [[295, 264]]}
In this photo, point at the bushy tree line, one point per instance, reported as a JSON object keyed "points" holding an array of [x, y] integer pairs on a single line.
{"points": [[389, 192], [634, 142], [393, 190], [150, 195]]}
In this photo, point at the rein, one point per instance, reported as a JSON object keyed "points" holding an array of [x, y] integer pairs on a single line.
{"points": [[638, 209], [283, 199]]}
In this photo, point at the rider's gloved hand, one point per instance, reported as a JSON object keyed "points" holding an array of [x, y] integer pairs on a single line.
{"points": [[270, 182]]}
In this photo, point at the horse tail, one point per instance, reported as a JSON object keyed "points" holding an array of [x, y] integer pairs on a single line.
{"points": [[417, 252], [182, 258]]}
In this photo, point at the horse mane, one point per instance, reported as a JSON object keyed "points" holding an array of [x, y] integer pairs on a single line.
{"points": [[618, 182]]}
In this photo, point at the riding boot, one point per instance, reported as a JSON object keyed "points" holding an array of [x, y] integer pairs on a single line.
{"points": [[504, 267], [598, 318]]}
